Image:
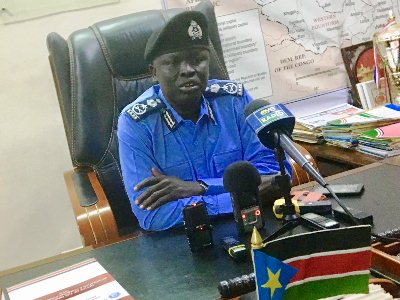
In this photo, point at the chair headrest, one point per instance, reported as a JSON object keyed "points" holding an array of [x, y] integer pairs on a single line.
{"points": [[123, 41]]}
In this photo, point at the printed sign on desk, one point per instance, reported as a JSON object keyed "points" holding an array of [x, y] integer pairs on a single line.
{"points": [[82, 281]]}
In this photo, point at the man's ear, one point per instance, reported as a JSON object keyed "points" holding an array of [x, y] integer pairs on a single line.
{"points": [[152, 71]]}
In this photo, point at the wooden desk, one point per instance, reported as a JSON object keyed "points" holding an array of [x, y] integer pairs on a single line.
{"points": [[161, 266], [333, 160]]}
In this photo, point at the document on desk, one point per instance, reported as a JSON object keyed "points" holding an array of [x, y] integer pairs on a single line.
{"points": [[82, 281]]}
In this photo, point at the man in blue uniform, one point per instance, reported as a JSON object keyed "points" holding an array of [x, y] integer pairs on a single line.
{"points": [[177, 138]]}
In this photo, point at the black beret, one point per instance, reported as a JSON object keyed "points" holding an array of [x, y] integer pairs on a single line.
{"points": [[185, 30]]}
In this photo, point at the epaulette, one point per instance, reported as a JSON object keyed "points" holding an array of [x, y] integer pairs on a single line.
{"points": [[221, 88], [143, 108]]}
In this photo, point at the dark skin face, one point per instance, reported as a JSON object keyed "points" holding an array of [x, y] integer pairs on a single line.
{"points": [[183, 78]]}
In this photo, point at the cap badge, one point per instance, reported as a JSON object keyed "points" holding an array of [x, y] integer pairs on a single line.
{"points": [[195, 31]]}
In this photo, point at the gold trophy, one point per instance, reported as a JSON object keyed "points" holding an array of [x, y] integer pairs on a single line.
{"points": [[387, 58]]}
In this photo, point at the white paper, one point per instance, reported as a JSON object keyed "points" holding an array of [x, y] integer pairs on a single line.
{"points": [[244, 51], [84, 281], [322, 117]]}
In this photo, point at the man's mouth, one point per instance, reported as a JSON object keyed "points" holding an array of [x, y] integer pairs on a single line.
{"points": [[189, 86]]}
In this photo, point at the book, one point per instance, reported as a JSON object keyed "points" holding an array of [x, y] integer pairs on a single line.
{"points": [[369, 94], [308, 127], [361, 95], [84, 280], [388, 113], [373, 96], [345, 132], [382, 141]]}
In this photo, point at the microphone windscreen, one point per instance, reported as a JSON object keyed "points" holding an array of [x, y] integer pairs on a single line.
{"points": [[255, 105], [241, 176]]}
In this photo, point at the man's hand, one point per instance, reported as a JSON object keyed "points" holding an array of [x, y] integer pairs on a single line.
{"points": [[162, 189]]}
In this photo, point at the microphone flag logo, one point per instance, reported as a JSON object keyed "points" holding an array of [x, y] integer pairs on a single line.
{"points": [[265, 116]]}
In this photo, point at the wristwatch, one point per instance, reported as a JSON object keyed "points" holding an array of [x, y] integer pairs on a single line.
{"points": [[203, 185]]}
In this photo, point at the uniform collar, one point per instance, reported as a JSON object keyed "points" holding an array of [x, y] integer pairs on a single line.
{"points": [[173, 116]]}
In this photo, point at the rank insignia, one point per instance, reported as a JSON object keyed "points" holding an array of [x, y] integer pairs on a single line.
{"points": [[233, 88], [214, 88], [140, 110], [168, 118], [222, 88], [210, 112]]}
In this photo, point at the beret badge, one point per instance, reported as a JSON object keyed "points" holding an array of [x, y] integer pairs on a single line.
{"points": [[195, 31]]}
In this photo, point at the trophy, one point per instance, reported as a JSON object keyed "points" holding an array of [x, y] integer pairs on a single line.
{"points": [[387, 58]]}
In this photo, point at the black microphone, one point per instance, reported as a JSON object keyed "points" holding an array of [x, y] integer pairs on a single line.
{"points": [[237, 286], [242, 179], [273, 124]]}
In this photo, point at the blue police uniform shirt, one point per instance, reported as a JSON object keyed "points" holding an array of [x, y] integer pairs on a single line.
{"points": [[152, 134]]}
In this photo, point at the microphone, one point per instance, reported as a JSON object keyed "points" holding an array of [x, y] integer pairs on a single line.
{"points": [[273, 124], [237, 286], [242, 179]]}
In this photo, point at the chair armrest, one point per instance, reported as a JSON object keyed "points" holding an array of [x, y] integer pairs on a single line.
{"points": [[84, 189], [90, 205], [299, 175]]}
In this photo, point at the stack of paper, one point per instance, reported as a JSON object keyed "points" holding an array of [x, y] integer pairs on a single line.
{"points": [[344, 132], [383, 141], [308, 127]]}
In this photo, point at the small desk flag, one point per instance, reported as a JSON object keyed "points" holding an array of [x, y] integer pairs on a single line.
{"points": [[272, 276], [328, 263]]}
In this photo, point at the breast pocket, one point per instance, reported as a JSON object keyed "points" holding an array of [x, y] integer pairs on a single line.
{"points": [[222, 160], [181, 170]]}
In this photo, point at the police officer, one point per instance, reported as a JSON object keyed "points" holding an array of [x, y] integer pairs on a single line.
{"points": [[177, 138]]}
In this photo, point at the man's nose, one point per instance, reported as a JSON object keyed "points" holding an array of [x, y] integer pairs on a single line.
{"points": [[187, 68]]}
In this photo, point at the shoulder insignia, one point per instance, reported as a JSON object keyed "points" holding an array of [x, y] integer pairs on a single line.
{"points": [[222, 88], [143, 108]]}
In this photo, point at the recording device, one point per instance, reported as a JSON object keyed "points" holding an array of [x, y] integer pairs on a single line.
{"points": [[342, 189], [273, 125], [235, 249], [197, 226], [237, 286], [304, 202], [360, 216], [242, 179], [301, 208], [318, 222]]}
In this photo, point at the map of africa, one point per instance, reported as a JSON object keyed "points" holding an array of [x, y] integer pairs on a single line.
{"points": [[302, 39]]}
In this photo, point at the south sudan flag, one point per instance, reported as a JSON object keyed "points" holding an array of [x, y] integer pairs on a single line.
{"points": [[328, 262]]}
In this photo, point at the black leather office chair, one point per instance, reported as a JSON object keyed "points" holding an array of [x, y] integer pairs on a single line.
{"points": [[97, 71]]}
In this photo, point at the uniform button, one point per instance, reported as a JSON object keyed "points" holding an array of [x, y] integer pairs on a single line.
{"points": [[196, 143]]}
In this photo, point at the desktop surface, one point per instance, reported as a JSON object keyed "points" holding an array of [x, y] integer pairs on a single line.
{"points": [[160, 265]]}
